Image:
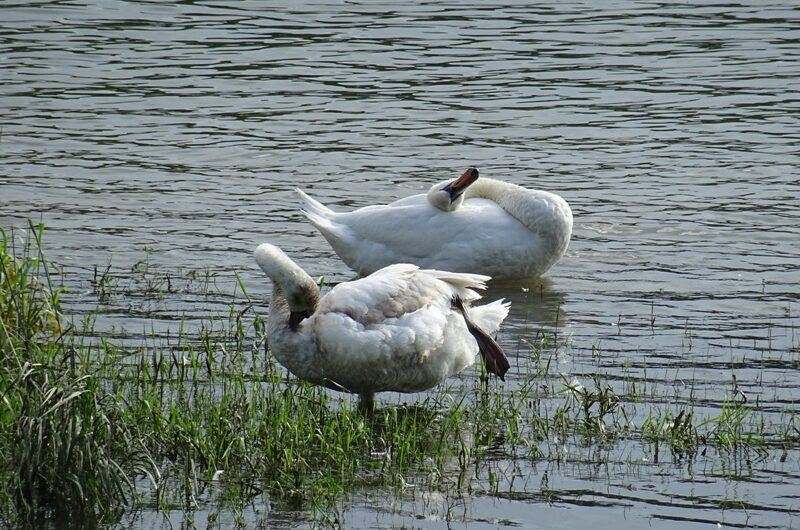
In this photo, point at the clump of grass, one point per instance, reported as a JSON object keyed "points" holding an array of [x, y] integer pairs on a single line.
{"points": [[238, 418], [28, 307], [677, 431], [64, 450]]}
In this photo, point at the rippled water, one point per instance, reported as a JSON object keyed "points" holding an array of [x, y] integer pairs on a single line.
{"points": [[176, 132]]}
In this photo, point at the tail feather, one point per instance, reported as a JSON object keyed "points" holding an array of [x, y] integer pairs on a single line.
{"points": [[321, 217], [492, 354], [312, 207], [460, 280], [489, 316]]}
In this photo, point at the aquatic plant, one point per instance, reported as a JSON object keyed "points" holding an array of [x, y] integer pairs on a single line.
{"points": [[64, 449], [95, 428]]}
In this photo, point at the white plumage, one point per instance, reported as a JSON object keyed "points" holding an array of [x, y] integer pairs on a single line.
{"points": [[400, 329], [481, 226]]}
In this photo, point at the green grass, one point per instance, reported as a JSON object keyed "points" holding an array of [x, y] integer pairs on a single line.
{"points": [[95, 430], [65, 448]]}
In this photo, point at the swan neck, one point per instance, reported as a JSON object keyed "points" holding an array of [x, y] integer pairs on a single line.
{"points": [[495, 190], [293, 348], [279, 311], [543, 213], [293, 289]]}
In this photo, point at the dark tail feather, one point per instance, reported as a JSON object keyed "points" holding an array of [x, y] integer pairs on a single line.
{"points": [[493, 357]]}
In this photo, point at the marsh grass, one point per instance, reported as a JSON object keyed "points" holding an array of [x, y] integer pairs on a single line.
{"points": [[64, 449], [93, 429]]}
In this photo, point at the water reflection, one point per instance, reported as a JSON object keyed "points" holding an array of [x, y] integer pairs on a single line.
{"points": [[535, 304]]}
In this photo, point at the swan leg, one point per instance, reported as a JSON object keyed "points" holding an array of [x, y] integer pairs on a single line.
{"points": [[366, 402]]}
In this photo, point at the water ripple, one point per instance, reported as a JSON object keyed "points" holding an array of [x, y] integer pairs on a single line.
{"points": [[179, 131]]}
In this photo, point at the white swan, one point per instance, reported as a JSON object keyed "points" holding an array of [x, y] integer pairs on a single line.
{"points": [[481, 226], [400, 329]]}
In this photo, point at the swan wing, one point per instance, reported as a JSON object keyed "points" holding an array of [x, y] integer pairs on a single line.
{"points": [[366, 239], [407, 231], [395, 329], [400, 289]]}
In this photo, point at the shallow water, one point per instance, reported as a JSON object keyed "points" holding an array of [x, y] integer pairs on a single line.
{"points": [[175, 133]]}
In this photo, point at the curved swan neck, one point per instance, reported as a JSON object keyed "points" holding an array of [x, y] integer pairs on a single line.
{"points": [[542, 212], [495, 190], [279, 312], [293, 292]]}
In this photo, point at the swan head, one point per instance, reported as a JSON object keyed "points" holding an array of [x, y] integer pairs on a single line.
{"points": [[449, 195], [291, 284]]}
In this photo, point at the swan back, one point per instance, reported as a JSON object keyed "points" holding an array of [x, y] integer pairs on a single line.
{"points": [[400, 289], [397, 329]]}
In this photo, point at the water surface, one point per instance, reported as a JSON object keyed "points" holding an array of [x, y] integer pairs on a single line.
{"points": [[176, 132]]}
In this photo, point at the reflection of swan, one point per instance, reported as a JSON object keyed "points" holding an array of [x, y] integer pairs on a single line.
{"points": [[400, 329], [537, 304], [482, 226]]}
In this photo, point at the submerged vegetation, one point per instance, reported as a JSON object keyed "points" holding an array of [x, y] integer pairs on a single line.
{"points": [[94, 428]]}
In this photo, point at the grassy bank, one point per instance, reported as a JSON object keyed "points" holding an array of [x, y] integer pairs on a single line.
{"points": [[92, 429]]}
